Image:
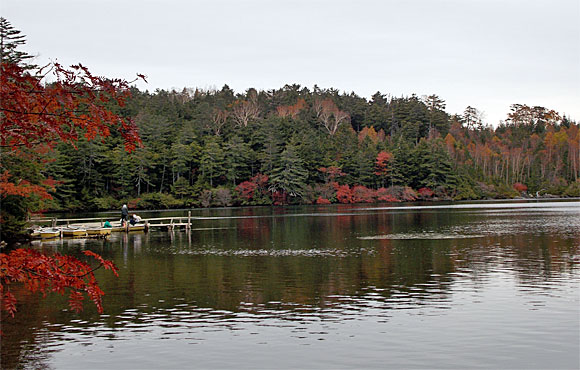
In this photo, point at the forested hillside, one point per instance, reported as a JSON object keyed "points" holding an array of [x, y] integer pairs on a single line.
{"points": [[297, 145]]}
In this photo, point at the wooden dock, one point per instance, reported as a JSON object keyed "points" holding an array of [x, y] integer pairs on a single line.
{"points": [[168, 223]]}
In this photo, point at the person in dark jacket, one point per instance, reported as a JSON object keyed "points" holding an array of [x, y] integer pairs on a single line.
{"points": [[124, 214]]}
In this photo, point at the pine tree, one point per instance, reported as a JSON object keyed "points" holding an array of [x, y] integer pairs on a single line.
{"points": [[212, 163], [289, 176], [10, 40], [237, 160]]}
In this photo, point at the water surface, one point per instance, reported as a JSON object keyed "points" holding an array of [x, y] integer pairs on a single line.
{"points": [[471, 285]]}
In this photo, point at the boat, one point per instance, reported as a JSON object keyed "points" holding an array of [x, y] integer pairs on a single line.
{"points": [[96, 231], [117, 228], [69, 231], [49, 233], [137, 227]]}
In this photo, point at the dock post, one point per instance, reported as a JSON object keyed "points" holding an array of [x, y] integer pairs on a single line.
{"points": [[188, 220], [54, 222], [101, 222]]}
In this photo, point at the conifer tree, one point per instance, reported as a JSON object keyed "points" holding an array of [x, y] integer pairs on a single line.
{"points": [[289, 176], [10, 40]]}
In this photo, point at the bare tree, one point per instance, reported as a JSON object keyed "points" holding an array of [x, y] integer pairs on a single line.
{"points": [[218, 120], [243, 111], [329, 115]]}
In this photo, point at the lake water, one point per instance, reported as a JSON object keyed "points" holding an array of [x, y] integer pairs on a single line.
{"points": [[470, 285]]}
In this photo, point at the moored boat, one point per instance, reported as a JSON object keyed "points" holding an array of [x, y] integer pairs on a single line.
{"points": [[74, 232], [49, 233], [99, 231], [137, 227]]}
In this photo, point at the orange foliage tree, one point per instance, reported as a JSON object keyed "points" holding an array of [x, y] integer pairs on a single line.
{"points": [[382, 165]]}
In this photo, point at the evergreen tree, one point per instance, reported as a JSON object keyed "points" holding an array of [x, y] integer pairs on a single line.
{"points": [[10, 40], [237, 160], [289, 176], [212, 164]]}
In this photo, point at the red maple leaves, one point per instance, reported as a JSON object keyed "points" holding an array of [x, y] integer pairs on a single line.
{"points": [[74, 102], [39, 272]]}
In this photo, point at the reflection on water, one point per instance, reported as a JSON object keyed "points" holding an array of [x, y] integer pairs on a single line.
{"points": [[475, 285]]}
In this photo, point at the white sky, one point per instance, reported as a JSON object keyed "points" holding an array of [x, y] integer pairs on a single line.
{"points": [[485, 53]]}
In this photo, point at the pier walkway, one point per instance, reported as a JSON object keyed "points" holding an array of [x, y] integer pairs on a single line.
{"points": [[168, 223]]}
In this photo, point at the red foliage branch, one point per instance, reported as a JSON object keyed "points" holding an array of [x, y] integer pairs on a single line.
{"points": [[24, 188], [57, 273], [36, 111]]}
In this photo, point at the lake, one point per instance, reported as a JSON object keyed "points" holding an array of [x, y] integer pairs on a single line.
{"points": [[458, 285]]}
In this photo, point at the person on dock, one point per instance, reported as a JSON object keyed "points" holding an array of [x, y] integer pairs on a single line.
{"points": [[124, 214], [134, 219], [107, 225]]}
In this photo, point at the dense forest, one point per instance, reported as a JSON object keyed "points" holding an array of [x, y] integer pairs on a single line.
{"points": [[297, 145], [293, 145]]}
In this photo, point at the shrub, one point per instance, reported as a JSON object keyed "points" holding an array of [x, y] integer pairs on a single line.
{"points": [[409, 195], [155, 201], [321, 200], [222, 197], [573, 190], [279, 198], [104, 203], [362, 194], [405, 194], [205, 198], [425, 193], [326, 191], [254, 191], [383, 195], [505, 191], [343, 194], [246, 191], [486, 190], [519, 187], [441, 192]]}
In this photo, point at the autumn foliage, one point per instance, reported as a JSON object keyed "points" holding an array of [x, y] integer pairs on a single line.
{"points": [[518, 186], [24, 188], [42, 273], [75, 103], [256, 187], [425, 193]]}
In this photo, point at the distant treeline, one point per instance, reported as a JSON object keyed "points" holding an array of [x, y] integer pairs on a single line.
{"points": [[295, 145]]}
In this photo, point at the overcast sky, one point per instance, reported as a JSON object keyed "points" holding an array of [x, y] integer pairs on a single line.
{"points": [[485, 53]]}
